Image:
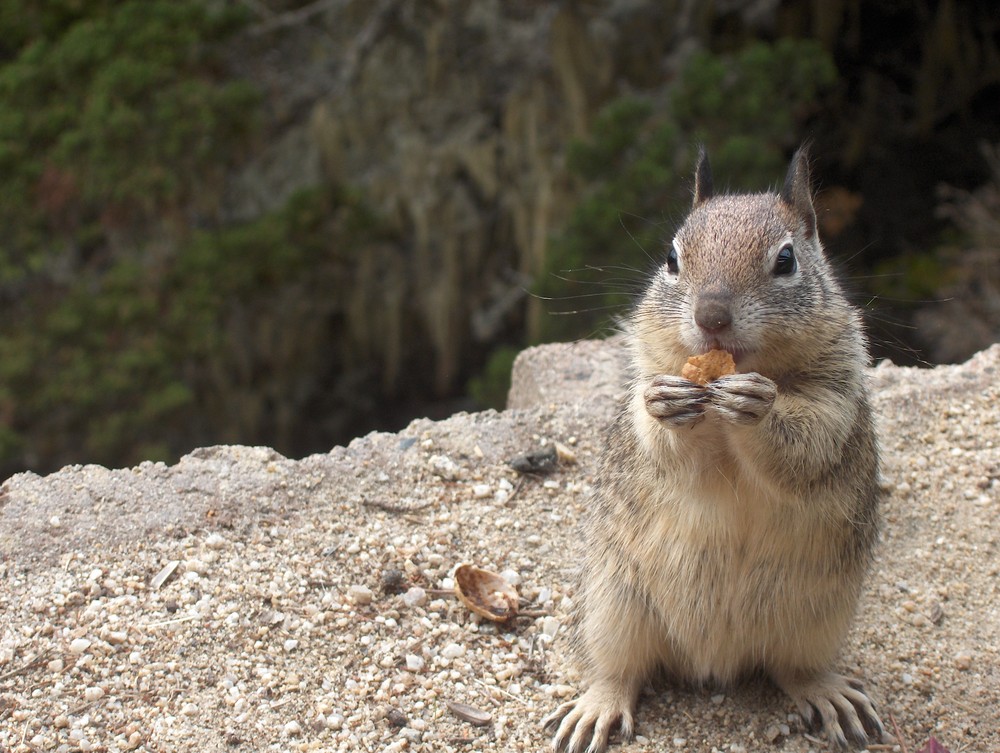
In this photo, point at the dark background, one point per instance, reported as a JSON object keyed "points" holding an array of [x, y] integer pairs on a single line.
{"points": [[290, 223]]}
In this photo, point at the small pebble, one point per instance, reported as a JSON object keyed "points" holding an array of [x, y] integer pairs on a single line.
{"points": [[93, 693], [215, 541], [292, 729], [414, 663], [414, 736], [78, 646], [481, 491], [360, 595], [511, 576], [415, 597], [396, 718], [444, 467], [393, 581], [453, 651], [963, 660], [291, 644]]}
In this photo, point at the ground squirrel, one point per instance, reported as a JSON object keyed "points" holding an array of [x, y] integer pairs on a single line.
{"points": [[733, 524]]}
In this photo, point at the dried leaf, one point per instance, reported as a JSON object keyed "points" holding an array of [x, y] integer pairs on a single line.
{"points": [[470, 714], [161, 577]]}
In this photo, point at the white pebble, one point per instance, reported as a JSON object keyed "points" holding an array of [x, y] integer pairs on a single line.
{"points": [[195, 566], [415, 597], [215, 541], [85, 745], [680, 742], [360, 595], [444, 467], [411, 734], [292, 729], [189, 709], [56, 665], [334, 721], [453, 651], [435, 560], [481, 491], [414, 663], [550, 626], [512, 577], [54, 521], [78, 646], [93, 693], [291, 644]]}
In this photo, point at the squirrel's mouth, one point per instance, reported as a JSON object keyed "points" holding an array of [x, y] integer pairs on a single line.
{"points": [[734, 349]]}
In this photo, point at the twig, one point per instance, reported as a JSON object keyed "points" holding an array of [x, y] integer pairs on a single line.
{"points": [[295, 17], [899, 735], [388, 507], [30, 664], [174, 621]]}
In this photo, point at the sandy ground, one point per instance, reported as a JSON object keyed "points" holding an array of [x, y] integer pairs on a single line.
{"points": [[241, 601]]}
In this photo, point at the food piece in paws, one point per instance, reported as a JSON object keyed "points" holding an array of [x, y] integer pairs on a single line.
{"points": [[709, 366]]}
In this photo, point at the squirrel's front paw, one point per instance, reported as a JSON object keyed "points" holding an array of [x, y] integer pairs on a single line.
{"points": [[742, 398], [675, 401]]}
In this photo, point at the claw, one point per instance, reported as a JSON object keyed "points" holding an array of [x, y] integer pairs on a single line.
{"points": [[842, 706], [587, 723]]}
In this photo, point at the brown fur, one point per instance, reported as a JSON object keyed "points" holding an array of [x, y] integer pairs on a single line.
{"points": [[733, 524]]}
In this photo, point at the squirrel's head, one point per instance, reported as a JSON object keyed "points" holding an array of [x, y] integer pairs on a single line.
{"points": [[745, 273]]}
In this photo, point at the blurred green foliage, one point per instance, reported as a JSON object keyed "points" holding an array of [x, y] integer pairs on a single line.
{"points": [[747, 108], [134, 362], [117, 124], [111, 114]]}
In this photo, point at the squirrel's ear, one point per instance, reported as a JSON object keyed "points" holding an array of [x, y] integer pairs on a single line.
{"points": [[702, 178], [796, 192]]}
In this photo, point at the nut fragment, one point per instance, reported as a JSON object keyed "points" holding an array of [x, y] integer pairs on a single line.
{"points": [[709, 366], [485, 593]]}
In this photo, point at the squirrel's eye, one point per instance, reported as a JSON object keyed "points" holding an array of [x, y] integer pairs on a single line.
{"points": [[673, 267], [785, 263]]}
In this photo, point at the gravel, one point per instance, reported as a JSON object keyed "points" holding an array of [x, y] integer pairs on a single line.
{"points": [[241, 601]]}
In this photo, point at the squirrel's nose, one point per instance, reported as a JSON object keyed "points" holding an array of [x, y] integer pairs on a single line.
{"points": [[713, 313]]}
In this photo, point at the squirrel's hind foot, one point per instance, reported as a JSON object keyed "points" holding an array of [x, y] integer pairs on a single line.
{"points": [[586, 723], [837, 703]]}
